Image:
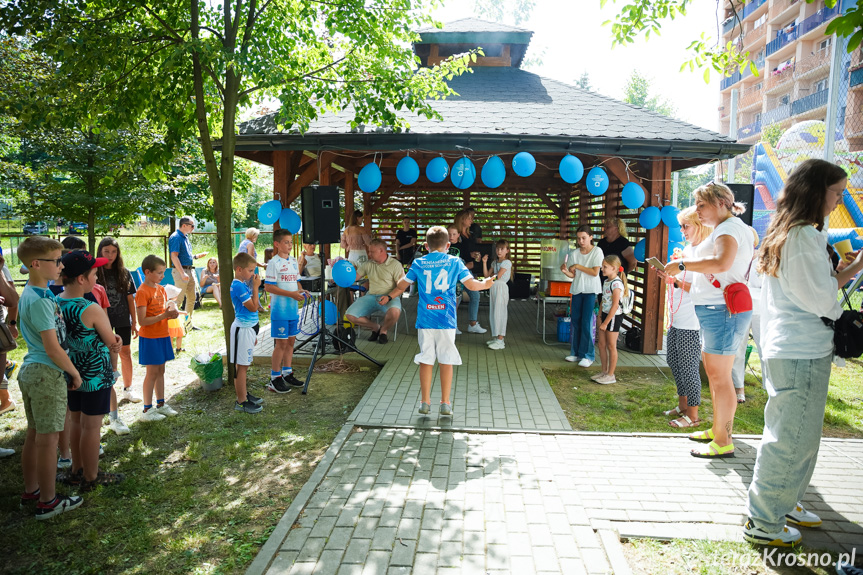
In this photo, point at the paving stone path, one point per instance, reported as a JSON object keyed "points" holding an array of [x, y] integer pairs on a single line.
{"points": [[400, 493]]}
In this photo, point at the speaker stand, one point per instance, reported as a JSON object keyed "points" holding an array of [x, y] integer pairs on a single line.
{"points": [[324, 333]]}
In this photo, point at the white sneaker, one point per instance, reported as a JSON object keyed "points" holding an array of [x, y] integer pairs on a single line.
{"points": [[605, 379], [476, 328], [118, 427], [152, 415], [571, 358], [788, 537], [6, 452], [491, 341], [130, 395], [802, 517], [498, 344], [457, 331], [166, 410], [585, 363]]}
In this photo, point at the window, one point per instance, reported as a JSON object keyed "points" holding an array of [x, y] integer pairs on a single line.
{"points": [[756, 117], [824, 44], [820, 85], [785, 99]]}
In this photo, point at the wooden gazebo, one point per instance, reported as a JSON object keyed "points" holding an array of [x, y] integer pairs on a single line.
{"points": [[500, 110]]}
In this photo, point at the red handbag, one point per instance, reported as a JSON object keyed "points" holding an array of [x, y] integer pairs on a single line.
{"points": [[737, 296]]}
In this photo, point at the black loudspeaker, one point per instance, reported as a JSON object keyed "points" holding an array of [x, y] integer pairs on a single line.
{"points": [[744, 193], [519, 286], [320, 207]]}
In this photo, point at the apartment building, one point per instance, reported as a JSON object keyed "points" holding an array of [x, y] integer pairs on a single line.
{"points": [[787, 43]]}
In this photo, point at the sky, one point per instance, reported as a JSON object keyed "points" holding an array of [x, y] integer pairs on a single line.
{"points": [[575, 41]]}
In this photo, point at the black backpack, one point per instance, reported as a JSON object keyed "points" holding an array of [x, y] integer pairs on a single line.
{"points": [[632, 340], [847, 332]]}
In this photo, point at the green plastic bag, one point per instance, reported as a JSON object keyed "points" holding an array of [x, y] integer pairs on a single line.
{"points": [[209, 371]]}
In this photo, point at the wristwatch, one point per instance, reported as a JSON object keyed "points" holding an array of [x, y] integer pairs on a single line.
{"points": [[11, 322], [681, 266], [390, 298]]}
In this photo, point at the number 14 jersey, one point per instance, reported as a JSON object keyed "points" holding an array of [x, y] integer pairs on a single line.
{"points": [[436, 276]]}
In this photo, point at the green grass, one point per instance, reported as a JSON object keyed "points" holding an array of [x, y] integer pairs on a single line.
{"points": [[204, 490], [685, 557], [636, 402]]}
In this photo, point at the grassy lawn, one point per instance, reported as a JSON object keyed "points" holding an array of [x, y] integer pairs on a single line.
{"points": [[203, 491], [636, 402], [679, 557]]}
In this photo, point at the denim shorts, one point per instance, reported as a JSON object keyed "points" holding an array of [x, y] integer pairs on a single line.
{"points": [[368, 304], [721, 332]]}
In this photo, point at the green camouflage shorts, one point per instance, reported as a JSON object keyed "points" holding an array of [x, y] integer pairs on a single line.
{"points": [[43, 389]]}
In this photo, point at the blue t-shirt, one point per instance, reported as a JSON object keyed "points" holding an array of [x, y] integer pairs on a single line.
{"points": [[282, 273], [179, 242], [37, 312], [240, 294], [436, 276]]}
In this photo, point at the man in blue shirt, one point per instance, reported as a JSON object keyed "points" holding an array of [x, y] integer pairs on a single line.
{"points": [[436, 276], [182, 259]]}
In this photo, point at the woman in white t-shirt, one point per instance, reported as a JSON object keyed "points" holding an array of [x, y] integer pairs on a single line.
{"points": [[582, 266], [722, 259], [684, 336], [798, 289]]}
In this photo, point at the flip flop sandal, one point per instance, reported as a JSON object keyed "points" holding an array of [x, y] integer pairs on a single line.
{"points": [[689, 423], [671, 412], [713, 451], [703, 436], [741, 398]]}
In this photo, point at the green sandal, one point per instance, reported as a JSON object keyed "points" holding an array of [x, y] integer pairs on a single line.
{"points": [[703, 436], [713, 451]]}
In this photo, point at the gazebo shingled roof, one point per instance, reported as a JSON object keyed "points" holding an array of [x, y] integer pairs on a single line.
{"points": [[500, 109]]}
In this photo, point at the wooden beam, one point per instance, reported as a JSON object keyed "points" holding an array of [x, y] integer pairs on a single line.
{"points": [[349, 198], [552, 206], [382, 199], [261, 157], [618, 168], [657, 240], [306, 176], [281, 174]]}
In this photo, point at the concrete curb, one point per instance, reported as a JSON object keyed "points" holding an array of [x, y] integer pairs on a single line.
{"points": [[614, 552], [274, 542]]}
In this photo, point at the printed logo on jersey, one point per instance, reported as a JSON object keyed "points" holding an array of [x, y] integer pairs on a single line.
{"points": [[439, 304]]}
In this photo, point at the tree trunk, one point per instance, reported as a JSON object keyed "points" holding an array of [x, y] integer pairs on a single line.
{"points": [[91, 230]]}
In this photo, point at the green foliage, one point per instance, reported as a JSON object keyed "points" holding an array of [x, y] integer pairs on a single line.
{"points": [[772, 133], [517, 11], [689, 180], [637, 92], [583, 81], [641, 18]]}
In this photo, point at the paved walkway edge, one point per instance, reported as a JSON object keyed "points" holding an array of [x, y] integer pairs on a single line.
{"points": [[274, 542], [614, 551]]}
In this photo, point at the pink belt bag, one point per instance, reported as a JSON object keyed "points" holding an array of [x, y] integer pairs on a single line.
{"points": [[737, 296]]}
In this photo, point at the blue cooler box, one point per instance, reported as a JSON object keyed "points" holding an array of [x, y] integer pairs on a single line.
{"points": [[564, 331]]}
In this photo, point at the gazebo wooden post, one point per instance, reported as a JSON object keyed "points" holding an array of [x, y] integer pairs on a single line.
{"points": [[349, 198], [657, 238], [281, 178]]}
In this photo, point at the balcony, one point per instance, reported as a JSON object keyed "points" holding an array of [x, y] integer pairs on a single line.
{"points": [[781, 112], [817, 61], [751, 7], [750, 97], [728, 24], [749, 130], [820, 17], [810, 102], [779, 7], [754, 35], [730, 80], [776, 80], [782, 39], [856, 77]]}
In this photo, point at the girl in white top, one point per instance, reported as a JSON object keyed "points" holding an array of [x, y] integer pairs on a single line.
{"points": [[582, 265], [720, 260], [499, 293], [684, 338], [799, 288], [614, 290]]}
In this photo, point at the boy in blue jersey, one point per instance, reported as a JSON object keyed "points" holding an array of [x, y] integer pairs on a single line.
{"points": [[281, 282], [244, 330], [436, 275]]}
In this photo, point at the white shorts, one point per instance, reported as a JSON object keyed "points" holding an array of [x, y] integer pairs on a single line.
{"points": [[437, 344], [243, 341]]}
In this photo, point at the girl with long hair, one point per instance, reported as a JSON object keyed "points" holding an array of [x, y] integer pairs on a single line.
{"points": [[799, 288], [582, 265], [501, 268], [614, 290]]}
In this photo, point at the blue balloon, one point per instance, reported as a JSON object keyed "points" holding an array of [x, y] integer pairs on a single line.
{"points": [[669, 216], [407, 171], [571, 169], [290, 220], [330, 311], [639, 250], [649, 218], [437, 170], [632, 196], [597, 181], [671, 247], [675, 234], [463, 173], [524, 164], [370, 178], [493, 172], [269, 212], [344, 273]]}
